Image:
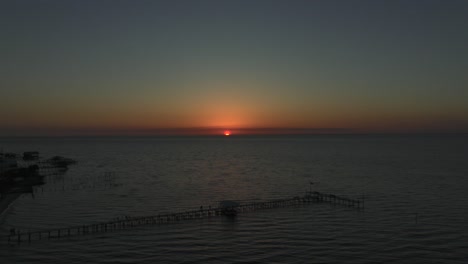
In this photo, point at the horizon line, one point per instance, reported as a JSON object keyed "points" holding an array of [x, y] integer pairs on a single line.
{"points": [[212, 131]]}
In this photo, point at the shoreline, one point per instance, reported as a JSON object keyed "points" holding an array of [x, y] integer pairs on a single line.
{"points": [[7, 200]]}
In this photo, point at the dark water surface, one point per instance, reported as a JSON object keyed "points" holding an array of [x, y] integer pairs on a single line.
{"points": [[401, 177]]}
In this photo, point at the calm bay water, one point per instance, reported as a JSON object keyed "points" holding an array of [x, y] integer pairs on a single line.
{"points": [[400, 177]]}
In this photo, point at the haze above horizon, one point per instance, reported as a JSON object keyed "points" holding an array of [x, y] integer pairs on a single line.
{"points": [[250, 67]]}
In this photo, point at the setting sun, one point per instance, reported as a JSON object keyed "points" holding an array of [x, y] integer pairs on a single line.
{"points": [[227, 133]]}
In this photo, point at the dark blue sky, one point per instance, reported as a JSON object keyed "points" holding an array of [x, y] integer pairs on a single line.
{"points": [[363, 65]]}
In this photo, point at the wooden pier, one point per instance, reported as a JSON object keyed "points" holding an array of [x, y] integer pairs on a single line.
{"points": [[130, 222]]}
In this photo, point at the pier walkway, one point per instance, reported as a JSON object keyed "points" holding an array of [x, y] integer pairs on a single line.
{"points": [[130, 222]]}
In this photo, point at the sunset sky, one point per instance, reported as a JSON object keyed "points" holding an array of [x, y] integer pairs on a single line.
{"points": [[201, 67]]}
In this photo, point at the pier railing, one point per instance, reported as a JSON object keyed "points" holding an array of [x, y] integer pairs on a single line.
{"points": [[130, 222]]}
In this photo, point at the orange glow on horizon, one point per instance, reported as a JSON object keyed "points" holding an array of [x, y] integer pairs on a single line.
{"points": [[227, 133]]}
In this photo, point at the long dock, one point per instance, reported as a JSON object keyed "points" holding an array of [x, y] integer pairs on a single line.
{"points": [[130, 222]]}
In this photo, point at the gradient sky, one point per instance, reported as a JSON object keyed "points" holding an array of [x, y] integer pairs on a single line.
{"points": [[97, 67]]}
